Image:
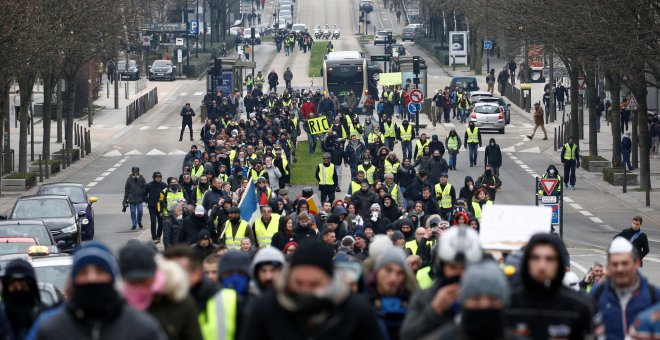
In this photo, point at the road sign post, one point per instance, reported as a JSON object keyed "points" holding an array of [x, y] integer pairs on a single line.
{"points": [[546, 193]]}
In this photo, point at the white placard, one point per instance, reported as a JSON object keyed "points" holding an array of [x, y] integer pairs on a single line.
{"points": [[509, 227], [179, 41]]}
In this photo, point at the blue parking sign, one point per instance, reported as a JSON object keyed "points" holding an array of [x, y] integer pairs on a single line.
{"points": [[488, 45], [414, 107], [555, 213], [194, 27]]}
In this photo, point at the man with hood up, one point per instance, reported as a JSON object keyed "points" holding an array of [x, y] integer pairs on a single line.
{"points": [[265, 270], [542, 307], [21, 297], [435, 166], [389, 208], [193, 224], [134, 195], [493, 156], [467, 191], [436, 144], [152, 196], [551, 172]]}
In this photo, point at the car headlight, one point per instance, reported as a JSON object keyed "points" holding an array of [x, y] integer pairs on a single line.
{"points": [[169, 71], [70, 229], [84, 221]]}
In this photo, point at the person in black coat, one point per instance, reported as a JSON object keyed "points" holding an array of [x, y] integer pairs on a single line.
{"points": [[204, 246], [285, 234], [493, 156], [467, 191], [192, 226], [637, 237], [186, 120], [152, 195]]}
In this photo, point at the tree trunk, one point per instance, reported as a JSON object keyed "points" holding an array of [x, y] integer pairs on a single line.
{"points": [[574, 122], [593, 106], [26, 84], [59, 110], [69, 105], [49, 83], [638, 89], [5, 107], [614, 87]]}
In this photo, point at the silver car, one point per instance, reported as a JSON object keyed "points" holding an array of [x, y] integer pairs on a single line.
{"points": [[488, 116]]}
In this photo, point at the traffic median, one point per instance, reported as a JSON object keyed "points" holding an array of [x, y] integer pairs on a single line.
{"points": [[316, 59]]}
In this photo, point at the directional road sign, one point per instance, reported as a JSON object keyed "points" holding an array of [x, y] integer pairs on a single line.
{"points": [[548, 185], [555, 213], [380, 58], [488, 45], [581, 82], [416, 96], [414, 107]]}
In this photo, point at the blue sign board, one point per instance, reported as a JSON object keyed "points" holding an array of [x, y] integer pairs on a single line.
{"points": [[194, 27], [488, 45], [414, 107], [224, 82], [555, 213]]}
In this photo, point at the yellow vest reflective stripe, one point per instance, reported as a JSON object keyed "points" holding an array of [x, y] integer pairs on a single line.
{"points": [[232, 154], [286, 102], [234, 241], [255, 175], [200, 195], [569, 154], [445, 201], [391, 168], [272, 102], [420, 145], [195, 174], [473, 136], [368, 172], [423, 279], [355, 187], [405, 135], [370, 138], [389, 130], [412, 245], [326, 174], [390, 96], [477, 209], [394, 191], [223, 177], [284, 165], [170, 199], [259, 80], [219, 321], [452, 143], [351, 128], [264, 233]]}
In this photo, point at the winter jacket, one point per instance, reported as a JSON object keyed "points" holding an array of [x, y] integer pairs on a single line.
{"points": [[488, 181], [421, 318], [212, 197], [466, 193], [171, 231], [280, 239], [640, 241], [363, 202], [544, 310], [192, 225], [354, 153], [405, 176], [134, 189], [203, 252], [435, 167], [437, 145], [152, 193], [392, 212], [492, 155]]}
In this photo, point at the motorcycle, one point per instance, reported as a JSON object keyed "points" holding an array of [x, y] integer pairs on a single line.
{"points": [[335, 33], [317, 32], [326, 32]]}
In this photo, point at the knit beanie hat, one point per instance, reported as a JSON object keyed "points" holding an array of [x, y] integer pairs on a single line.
{"points": [[379, 245], [391, 255], [484, 278], [97, 254], [397, 235], [234, 260], [313, 253]]}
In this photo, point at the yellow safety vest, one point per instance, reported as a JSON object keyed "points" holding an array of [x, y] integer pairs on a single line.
{"points": [[406, 136], [232, 155], [445, 196], [452, 143], [272, 103], [420, 145], [326, 174], [390, 96], [351, 128], [370, 138], [368, 173], [263, 233], [219, 321], [234, 241], [473, 136], [286, 102], [394, 191], [569, 154], [412, 245], [391, 168], [355, 187], [423, 279], [477, 209], [255, 175], [200, 195], [195, 174], [170, 198], [248, 81], [223, 177], [389, 130], [259, 80]]}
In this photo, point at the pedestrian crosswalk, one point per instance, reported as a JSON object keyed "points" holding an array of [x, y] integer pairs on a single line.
{"points": [[152, 152]]}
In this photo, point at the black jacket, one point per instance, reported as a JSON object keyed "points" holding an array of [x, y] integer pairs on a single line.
{"points": [[171, 231], [539, 308], [152, 193], [641, 242], [134, 189], [465, 192], [186, 114], [405, 176], [280, 239], [192, 225], [363, 202], [492, 154]]}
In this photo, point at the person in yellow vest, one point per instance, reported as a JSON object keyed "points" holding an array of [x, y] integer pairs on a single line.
{"points": [[472, 142], [169, 196], [201, 189], [235, 229], [418, 245], [327, 177], [405, 134], [445, 194], [265, 227], [374, 132], [389, 129], [197, 170], [220, 319], [570, 157], [259, 81], [420, 144], [355, 184], [257, 171], [453, 143], [368, 169], [479, 200], [249, 83], [391, 164], [551, 172], [393, 189]]}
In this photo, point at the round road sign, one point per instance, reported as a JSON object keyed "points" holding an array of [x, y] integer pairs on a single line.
{"points": [[416, 96]]}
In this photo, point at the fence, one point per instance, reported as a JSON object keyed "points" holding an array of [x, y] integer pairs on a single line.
{"points": [[141, 105], [140, 85], [518, 97]]}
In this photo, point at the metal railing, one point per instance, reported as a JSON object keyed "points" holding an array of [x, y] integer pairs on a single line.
{"points": [[140, 85], [518, 97], [141, 105]]}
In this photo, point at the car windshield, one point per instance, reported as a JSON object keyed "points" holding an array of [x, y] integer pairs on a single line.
{"points": [[39, 232], [15, 247], [55, 275], [408, 29], [161, 63], [76, 194], [298, 27], [41, 208], [487, 109], [382, 33], [468, 83]]}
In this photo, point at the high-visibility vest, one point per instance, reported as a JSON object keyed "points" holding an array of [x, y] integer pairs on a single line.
{"points": [[223, 177], [351, 128], [355, 187], [263, 233], [477, 209], [423, 279], [406, 136], [170, 198], [390, 96], [219, 320], [569, 154], [389, 130], [391, 168], [452, 143], [368, 172], [255, 175], [326, 174], [473, 136], [259, 80], [286, 102], [272, 103], [195, 174], [232, 155], [393, 190], [234, 241], [200, 195], [248, 81], [370, 138], [445, 200], [412, 245], [420, 145]]}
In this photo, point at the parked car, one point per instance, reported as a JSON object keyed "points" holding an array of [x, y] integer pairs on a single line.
{"points": [[58, 214], [381, 37], [16, 245], [499, 101], [401, 48], [475, 96], [78, 196], [162, 69], [366, 6], [51, 269], [130, 71], [487, 116], [257, 37], [298, 28], [33, 229], [469, 84]]}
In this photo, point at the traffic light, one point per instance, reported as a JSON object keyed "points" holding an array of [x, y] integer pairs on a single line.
{"points": [[252, 32], [416, 68]]}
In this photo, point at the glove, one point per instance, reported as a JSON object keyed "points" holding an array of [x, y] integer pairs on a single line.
{"points": [[578, 165], [124, 205]]}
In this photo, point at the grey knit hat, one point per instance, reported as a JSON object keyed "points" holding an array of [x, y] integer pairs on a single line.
{"points": [[484, 278], [391, 255]]}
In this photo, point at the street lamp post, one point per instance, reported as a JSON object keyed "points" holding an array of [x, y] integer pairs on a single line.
{"points": [[197, 35], [487, 36]]}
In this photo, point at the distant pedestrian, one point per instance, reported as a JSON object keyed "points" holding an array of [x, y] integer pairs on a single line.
{"points": [[625, 115], [134, 196], [288, 76], [538, 122], [398, 16], [273, 81], [111, 71], [626, 149], [512, 71], [258, 18], [547, 98], [560, 95], [490, 80], [493, 156], [186, 120], [502, 79], [570, 157]]}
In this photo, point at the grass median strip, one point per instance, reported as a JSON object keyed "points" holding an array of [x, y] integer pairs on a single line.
{"points": [[316, 59], [302, 173]]}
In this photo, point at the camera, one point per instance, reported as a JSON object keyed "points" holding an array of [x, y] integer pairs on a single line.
{"points": [[124, 205]]}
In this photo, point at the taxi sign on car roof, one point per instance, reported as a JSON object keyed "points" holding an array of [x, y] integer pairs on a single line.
{"points": [[38, 250]]}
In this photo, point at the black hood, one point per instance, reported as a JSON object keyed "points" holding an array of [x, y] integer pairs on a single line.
{"points": [[468, 179], [552, 166], [492, 140], [21, 269], [562, 254]]}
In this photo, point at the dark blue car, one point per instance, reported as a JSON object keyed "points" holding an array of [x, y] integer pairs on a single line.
{"points": [[81, 202]]}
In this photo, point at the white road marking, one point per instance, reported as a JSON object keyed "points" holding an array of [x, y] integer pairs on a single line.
{"points": [[154, 152], [519, 144], [98, 179], [87, 189], [113, 153], [112, 169], [607, 227], [576, 206], [133, 152], [532, 150], [596, 219], [91, 184], [123, 160], [117, 165], [513, 157], [163, 93], [524, 166], [144, 127], [177, 152], [519, 162], [183, 94], [568, 199], [586, 213], [106, 173], [198, 93], [162, 127], [509, 149], [534, 175], [579, 267]]}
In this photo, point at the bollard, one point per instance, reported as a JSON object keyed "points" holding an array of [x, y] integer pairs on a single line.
{"points": [[555, 138], [67, 156], [625, 179], [46, 161], [89, 142], [648, 194], [75, 134], [41, 171], [82, 137], [82, 145], [62, 161]]}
